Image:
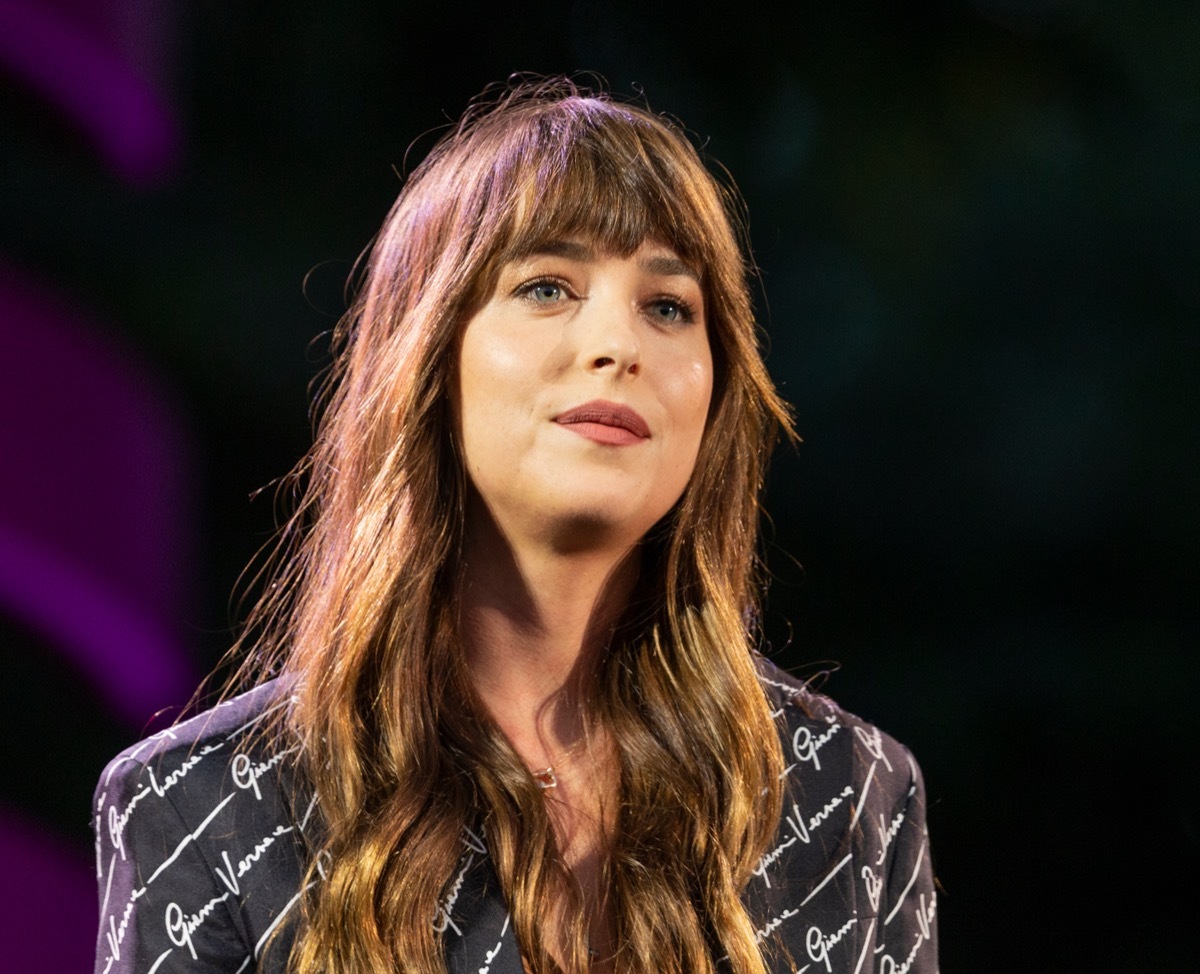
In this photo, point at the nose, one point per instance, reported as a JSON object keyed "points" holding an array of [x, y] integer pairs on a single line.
{"points": [[608, 338]]}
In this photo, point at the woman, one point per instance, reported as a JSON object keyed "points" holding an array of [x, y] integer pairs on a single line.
{"points": [[516, 720]]}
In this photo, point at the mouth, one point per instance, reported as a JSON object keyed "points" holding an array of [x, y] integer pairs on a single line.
{"points": [[604, 422]]}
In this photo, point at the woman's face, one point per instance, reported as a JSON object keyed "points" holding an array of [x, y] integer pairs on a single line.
{"points": [[583, 387]]}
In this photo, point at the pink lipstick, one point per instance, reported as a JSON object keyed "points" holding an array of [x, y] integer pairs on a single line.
{"points": [[604, 422]]}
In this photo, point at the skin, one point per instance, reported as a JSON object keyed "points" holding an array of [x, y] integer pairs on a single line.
{"points": [[556, 509]]}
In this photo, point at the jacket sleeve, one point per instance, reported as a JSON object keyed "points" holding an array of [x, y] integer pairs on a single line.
{"points": [[908, 908], [162, 908]]}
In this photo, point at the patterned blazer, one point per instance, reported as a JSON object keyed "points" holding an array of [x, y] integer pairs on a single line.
{"points": [[200, 852]]}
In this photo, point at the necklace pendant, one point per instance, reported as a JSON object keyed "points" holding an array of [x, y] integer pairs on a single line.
{"points": [[545, 778]]}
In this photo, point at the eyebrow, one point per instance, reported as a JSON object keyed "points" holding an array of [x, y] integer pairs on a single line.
{"points": [[665, 266], [570, 249], [661, 265]]}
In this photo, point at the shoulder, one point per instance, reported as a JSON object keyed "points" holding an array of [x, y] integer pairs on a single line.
{"points": [[189, 769], [849, 874], [843, 775], [199, 839], [185, 747], [821, 738]]}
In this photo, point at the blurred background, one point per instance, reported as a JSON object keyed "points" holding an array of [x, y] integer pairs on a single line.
{"points": [[978, 224]]}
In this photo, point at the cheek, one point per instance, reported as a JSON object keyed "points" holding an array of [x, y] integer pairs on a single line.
{"points": [[690, 391], [497, 359], [487, 370], [701, 381], [497, 391], [480, 359], [474, 387]]}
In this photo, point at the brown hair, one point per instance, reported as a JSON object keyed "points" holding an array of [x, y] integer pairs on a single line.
{"points": [[362, 612]]}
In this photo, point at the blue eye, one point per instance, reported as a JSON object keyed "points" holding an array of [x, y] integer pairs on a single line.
{"points": [[668, 309], [544, 292]]}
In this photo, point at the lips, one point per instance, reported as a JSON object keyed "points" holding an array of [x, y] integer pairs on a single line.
{"points": [[605, 422]]}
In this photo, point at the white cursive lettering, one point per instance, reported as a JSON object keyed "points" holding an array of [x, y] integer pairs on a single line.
{"points": [[872, 740], [874, 886], [887, 835], [796, 822], [491, 954], [442, 920], [116, 934], [180, 927], [818, 944], [171, 780], [805, 744], [772, 925], [246, 773], [770, 857], [117, 822], [819, 817], [925, 915], [229, 876]]}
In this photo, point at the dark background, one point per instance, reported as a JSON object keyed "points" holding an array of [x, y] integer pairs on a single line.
{"points": [[979, 230]]}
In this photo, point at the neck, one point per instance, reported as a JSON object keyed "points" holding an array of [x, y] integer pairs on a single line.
{"points": [[535, 620]]}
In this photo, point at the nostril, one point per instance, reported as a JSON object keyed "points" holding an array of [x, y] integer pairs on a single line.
{"points": [[603, 362]]}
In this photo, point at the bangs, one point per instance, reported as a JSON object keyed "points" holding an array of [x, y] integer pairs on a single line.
{"points": [[595, 172]]}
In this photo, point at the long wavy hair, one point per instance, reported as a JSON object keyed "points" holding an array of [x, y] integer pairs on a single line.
{"points": [[361, 607]]}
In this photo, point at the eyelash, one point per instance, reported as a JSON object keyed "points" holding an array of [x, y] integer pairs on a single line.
{"points": [[687, 313], [526, 290]]}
